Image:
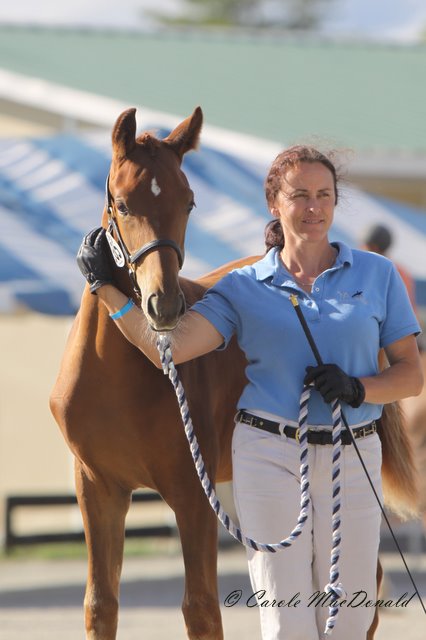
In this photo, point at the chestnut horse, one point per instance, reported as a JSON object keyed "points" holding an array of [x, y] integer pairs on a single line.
{"points": [[118, 412]]}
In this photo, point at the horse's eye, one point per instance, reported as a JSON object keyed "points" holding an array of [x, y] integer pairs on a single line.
{"points": [[191, 206], [122, 208]]}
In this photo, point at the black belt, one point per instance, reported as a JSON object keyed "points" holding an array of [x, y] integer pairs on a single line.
{"points": [[315, 436]]}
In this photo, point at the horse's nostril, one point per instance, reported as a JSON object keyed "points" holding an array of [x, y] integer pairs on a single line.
{"points": [[151, 305]]}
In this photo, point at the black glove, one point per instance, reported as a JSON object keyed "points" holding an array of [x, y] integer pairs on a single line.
{"points": [[94, 261], [333, 383]]}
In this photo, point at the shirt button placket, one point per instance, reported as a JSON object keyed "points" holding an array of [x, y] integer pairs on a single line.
{"points": [[316, 302]]}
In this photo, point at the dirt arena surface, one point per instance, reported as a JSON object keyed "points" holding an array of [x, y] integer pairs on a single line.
{"points": [[42, 600]]}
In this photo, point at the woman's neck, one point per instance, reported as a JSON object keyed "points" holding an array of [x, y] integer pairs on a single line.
{"points": [[306, 262]]}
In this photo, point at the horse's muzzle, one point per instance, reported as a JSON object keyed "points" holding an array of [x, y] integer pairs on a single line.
{"points": [[164, 311]]}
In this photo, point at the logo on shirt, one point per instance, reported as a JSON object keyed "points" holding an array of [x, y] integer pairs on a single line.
{"points": [[345, 296]]}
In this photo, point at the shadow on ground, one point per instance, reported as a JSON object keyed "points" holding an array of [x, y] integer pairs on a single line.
{"points": [[161, 592]]}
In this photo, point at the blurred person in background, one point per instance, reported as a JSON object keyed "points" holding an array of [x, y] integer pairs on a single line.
{"points": [[378, 239]]}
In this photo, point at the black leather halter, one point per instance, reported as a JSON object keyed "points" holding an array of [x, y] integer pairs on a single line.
{"points": [[132, 258]]}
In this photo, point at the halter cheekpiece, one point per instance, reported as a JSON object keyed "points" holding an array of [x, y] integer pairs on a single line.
{"points": [[118, 247]]}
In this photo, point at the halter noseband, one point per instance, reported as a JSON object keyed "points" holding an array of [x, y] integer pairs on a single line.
{"points": [[132, 258]]}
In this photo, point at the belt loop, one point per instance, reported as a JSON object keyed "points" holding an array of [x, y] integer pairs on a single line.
{"points": [[281, 428]]}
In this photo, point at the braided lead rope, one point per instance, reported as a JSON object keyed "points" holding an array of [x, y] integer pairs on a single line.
{"points": [[169, 369], [334, 588]]}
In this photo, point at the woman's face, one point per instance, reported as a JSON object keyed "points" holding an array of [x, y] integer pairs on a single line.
{"points": [[305, 203]]}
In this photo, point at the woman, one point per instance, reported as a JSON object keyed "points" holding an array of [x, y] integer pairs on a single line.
{"points": [[355, 303]]}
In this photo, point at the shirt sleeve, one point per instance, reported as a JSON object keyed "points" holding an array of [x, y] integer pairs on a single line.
{"points": [[400, 320], [217, 308]]}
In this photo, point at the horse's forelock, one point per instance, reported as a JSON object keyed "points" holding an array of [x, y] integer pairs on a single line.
{"points": [[149, 142]]}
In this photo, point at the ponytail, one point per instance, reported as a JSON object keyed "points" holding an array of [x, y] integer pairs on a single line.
{"points": [[274, 235]]}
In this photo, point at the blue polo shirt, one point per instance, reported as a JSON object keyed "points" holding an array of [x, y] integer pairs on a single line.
{"points": [[357, 306]]}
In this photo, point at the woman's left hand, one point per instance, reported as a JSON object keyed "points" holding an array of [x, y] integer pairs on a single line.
{"points": [[93, 259], [333, 383]]}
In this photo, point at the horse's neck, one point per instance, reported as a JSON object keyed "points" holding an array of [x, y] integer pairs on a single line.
{"points": [[95, 328], [90, 316]]}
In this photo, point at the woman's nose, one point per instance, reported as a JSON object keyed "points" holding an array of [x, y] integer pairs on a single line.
{"points": [[312, 205]]}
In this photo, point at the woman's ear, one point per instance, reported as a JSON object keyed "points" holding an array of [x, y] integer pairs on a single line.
{"points": [[275, 212]]}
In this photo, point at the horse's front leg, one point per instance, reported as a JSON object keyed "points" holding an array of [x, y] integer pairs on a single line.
{"points": [[104, 507], [197, 525]]}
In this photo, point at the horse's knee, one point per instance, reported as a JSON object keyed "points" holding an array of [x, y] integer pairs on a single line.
{"points": [[202, 618], [101, 616]]}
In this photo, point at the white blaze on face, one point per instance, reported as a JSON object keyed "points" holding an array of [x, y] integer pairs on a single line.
{"points": [[154, 187]]}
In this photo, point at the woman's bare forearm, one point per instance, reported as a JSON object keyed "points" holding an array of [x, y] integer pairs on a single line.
{"points": [[395, 383], [402, 379], [193, 336]]}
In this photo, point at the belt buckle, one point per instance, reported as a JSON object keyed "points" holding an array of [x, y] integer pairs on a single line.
{"points": [[361, 433], [297, 435], [370, 429], [367, 430]]}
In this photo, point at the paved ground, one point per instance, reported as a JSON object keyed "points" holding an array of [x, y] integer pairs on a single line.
{"points": [[41, 600]]}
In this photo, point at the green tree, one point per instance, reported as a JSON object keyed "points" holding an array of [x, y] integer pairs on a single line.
{"points": [[304, 14], [289, 14]]}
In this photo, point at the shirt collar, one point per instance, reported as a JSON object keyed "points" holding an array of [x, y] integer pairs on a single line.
{"points": [[268, 265], [271, 266], [345, 255]]}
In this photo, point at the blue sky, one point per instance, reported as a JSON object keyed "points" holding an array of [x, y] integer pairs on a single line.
{"points": [[400, 20]]}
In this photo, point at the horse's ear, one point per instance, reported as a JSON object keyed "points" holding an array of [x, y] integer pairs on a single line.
{"points": [[186, 135], [123, 134]]}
